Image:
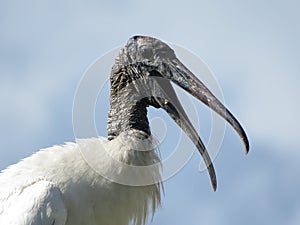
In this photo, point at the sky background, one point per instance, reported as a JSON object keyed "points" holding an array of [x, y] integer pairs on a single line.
{"points": [[252, 48]]}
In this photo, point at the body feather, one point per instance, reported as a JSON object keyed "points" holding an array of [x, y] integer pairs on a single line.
{"points": [[59, 181]]}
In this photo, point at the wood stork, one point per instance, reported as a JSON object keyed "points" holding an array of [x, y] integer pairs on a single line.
{"points": [[56, 186]]}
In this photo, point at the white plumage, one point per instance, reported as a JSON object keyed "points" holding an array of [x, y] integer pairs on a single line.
{"points": [[56, 186]]}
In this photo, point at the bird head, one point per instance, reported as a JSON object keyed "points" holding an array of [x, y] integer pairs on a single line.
{"points": [[151, 66]]}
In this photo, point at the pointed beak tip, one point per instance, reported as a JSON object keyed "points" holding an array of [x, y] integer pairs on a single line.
{"points": [[215, 187], [247, 146], [214, 183], [246, 151]]}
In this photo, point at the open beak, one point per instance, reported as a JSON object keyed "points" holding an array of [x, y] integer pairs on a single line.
{"points": [[184, 78]]}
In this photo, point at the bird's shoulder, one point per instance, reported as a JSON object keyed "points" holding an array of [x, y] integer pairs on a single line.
{"points": [[39, 202], [60, 164]]}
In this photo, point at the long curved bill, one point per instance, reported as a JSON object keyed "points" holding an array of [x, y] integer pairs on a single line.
{"points": [[170, 103], [184, 78]]}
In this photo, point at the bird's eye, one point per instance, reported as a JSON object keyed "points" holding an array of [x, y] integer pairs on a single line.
{"points": [[147, 52], [166, 53]]}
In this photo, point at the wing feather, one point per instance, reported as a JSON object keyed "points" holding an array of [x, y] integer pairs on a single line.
{"points": [[39, 203]]}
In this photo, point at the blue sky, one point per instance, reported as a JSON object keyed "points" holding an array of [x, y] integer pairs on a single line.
{"points": [[252, 48]]}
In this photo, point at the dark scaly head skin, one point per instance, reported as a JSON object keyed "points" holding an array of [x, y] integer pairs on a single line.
{"points": [[142, 76]]}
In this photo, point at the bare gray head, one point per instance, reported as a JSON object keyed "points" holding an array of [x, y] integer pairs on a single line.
{"points": [[141, 77]]}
